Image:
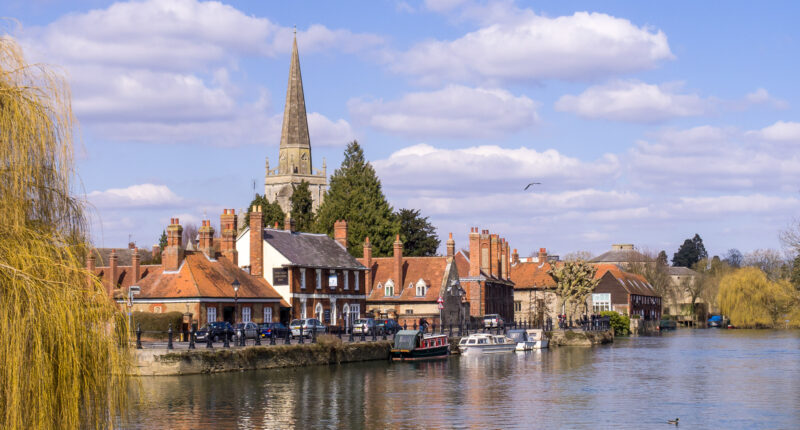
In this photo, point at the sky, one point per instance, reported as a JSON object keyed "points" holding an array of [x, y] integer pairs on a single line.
{"points": [[644, 122]]}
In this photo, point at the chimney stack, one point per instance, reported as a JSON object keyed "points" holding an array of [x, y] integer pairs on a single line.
{"points": [[451, 247], [288, 223], [256, 241], [135, 264], [172, 257], [474, 252], [156, 252], [515, 257], [368, 265], [112, 273], [398, 264], [340, 232], [542, 255], [494, 259], [503, 271], [227, 225], [206, 245]]}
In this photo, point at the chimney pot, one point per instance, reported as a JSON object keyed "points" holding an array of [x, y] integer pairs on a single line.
{"points": [[340, 232]]}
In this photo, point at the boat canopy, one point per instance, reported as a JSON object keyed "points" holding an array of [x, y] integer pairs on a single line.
{"points": [[518, 335], [406, 339]]}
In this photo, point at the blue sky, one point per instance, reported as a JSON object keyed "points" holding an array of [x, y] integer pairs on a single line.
{"points": [[646, 122]]}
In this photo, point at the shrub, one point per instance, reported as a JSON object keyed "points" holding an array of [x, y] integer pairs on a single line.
{"points": [[620, 323], [156, 325]]}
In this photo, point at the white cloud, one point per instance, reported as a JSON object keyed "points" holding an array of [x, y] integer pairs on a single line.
{"points": [[725, 205], [762, 96], [136, 197], [633, 101], [454, 111], [531, 47], [781, 131], [326, 132]]}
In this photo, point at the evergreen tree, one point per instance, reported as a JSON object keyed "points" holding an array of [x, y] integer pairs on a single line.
{"points": [[302, 207], [690, 252], [662, 258], [272, 212], [162, 241], [355, 195], [418, 235]]}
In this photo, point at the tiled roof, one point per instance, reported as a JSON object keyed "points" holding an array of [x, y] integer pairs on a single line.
{"points": [[430, 269], [620, 256], [633, 283], [125, 273], [200, 277], [532, 276], [310, 250]]}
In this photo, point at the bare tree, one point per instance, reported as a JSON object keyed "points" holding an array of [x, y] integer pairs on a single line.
{"points": [[189, 234], [770, 261], [578, 256], [790, 237]]}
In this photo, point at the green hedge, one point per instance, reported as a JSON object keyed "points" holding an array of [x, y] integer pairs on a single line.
{"points": [[150, 322], [620, 323]]}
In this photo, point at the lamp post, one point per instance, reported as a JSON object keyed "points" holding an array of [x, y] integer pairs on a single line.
{"points": [[235, 284]]}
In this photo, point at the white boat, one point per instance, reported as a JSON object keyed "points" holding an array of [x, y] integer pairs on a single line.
{"points": [[484, 343], [536, 336], [521, 338]]}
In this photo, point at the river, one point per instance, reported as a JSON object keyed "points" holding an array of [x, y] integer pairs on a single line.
{"points": [[708, 378]]}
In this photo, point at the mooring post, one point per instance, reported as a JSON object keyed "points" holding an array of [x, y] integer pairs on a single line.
{"points": [[138, 336], [169, 337], [226, 342], [288, 339], [301, 334], [314, 335], [191, 338]]}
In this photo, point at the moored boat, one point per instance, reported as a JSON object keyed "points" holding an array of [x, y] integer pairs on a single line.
{"points": [[521, 338], [413, 345], [483, 343], [538, 338]]}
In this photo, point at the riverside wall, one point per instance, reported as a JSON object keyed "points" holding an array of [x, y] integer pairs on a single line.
{"points": [[580, 337]]}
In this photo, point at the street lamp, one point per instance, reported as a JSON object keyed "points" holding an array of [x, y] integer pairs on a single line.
{"points": [[235, 284]]}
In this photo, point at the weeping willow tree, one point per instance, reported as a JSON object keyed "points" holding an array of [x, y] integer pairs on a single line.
{"points": [[63, 356], [750, 299]]}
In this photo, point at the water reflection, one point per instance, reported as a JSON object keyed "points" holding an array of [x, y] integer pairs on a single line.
{"points": [[708, 378]]}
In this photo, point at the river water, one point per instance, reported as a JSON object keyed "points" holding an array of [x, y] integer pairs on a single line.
{"points": [[708, 378]]}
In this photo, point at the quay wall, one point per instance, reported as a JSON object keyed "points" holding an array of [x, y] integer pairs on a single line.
{"points": [[579, 337], [162, 362]]}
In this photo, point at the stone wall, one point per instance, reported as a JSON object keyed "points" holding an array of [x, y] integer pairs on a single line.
{"points": [[579, 337]]}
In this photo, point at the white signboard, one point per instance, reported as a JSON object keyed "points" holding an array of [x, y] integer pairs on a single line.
{"points": [[333, 280]]}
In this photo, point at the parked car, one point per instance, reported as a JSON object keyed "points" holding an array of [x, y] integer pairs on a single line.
{"points": [[278, 328], [250, 330], [493, 321], [216, 330], [389, 326], [364, 325], [308, 324]]}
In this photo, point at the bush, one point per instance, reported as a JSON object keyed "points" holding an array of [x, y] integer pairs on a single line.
{"points": [[156, 325], [620, 323]]}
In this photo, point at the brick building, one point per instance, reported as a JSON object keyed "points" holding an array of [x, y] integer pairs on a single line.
{"points": [[534, 289], [485, 271], [408, 289], [626, 293], [312, 272], [198, 283]]}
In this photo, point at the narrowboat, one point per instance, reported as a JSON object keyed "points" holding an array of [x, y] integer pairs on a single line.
{"points": [[484, 343], [413, 345]]}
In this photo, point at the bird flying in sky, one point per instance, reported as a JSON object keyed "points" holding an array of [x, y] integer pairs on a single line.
{"points": [[532, 183]]}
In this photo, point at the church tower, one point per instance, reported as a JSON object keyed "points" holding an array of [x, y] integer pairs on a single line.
{"points": [[294, 156]]}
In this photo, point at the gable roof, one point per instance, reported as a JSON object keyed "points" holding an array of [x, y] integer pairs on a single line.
{"points": [[620, 256], [681, 271], [201, 277], [432, 271], [309, 249], [631, 282], [532, 275]]}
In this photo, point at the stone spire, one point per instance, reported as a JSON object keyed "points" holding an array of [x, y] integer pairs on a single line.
{"points": [[295, 148]]}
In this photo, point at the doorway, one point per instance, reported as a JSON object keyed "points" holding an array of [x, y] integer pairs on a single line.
{"points": [[228, 313]]}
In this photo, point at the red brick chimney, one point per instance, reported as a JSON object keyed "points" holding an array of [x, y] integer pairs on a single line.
{"points": [[485, 256], [288, 223], [508, 261], [206, 245], [135, 264], [474, 252], [515, 257], [256, 241], [112, 272], [340, 232], [172, 257], [542, 255], [398, 264], [156, 251], [503, 270], [494, 251], [451, 246], [368, 265], [227, 225]]}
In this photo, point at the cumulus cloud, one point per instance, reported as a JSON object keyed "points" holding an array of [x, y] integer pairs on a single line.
{"points": [[762, 96], [781, 131], [532, 47], [136, 197], [455, 111], [633, 101]]}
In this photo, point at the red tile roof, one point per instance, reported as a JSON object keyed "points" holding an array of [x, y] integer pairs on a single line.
{"points": [[633, 283], [532, 275], [430, 269]]}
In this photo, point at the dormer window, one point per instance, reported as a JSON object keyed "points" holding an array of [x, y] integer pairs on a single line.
{"points": [[389, 288], [422, 289]]}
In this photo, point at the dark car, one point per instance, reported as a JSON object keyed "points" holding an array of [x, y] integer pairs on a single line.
{"points": [[389, 326], [278, 328], [216, 330]]}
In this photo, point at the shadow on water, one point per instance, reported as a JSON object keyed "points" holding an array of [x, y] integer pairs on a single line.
{"points": [[708, 378]]}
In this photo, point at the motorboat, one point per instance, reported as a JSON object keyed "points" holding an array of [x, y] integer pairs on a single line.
{"points": [[536, 335], [484, 343], [413, 345], [521, 338]]}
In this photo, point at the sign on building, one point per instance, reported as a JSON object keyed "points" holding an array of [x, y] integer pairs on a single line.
{"points": [[333, 280], [280, 276]]}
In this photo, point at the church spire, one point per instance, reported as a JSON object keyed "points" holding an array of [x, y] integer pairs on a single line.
{"points": [[295, 149]]}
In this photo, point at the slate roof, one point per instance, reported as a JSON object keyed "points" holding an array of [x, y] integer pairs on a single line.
{"points": [[681, 271], [631, 282], [430, 269], [532, 275], [310, 250], [620, 256]]}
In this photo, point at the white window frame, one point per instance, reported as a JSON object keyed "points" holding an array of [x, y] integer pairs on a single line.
{"points": [[267, 313], [346, 315], [302, 278], [601, 302], [303, 313], [319, 279], [211, 314], [247, 314], [389, 289], [333, 311], [355, 311], [346, 279], [318, 311], [421, 287], [356, 283]]}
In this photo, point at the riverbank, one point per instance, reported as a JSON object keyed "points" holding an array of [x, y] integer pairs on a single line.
{"points": [[580, 338]]}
